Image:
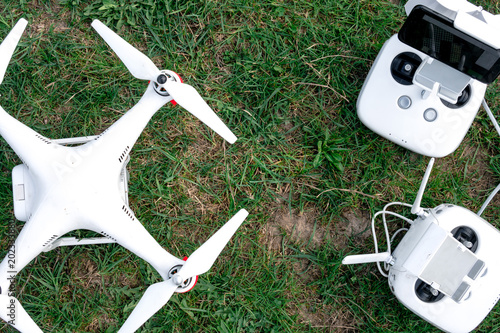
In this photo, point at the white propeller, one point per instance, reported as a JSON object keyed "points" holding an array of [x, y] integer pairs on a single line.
{"points": [[143, 68], [9, 44], [13, 313], [155, 297], [158, 294], [187, 97], [137, 62]]}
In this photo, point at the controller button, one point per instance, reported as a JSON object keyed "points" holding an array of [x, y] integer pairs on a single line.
{"points": [[404, 102], [430, 115]]}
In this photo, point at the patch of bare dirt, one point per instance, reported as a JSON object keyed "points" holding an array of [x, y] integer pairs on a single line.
{"points": [[99, 324], [219, 54], [302, 228], [85, 273], [354, 225], [203, 202], [39, 27], [129, 281], [54, 19], [326, 317], [86, 276], [299, 227]]}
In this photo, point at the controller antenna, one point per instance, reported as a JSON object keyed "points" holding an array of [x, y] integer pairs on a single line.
{"points": [[416, 209]]}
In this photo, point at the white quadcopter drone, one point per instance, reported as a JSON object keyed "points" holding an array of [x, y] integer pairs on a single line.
{"points": [[61, 188], [446, 268], [427, 82]]}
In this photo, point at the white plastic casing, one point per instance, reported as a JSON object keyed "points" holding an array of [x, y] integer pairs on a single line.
{"points": [[484, 292], [23, 186], [23, 191], [378, 108]]}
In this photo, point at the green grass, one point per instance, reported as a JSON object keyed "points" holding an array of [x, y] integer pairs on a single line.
{"points": [[285, 76]]}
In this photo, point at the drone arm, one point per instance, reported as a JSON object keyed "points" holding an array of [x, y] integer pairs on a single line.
{"points": [[118, 222], [199, 262], [143, 68], [114, 144], [30, 146], [33, 238], [13, 313]]}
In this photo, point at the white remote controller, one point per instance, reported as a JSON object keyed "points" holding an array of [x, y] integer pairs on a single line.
{"points": [[427, 84], [447, 270], [394, 107]]}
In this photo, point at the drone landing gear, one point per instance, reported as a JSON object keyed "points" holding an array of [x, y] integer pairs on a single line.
{"points": [[71, 241]]}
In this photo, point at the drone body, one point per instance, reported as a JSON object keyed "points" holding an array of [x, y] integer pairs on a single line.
{"points": [[78, 186], [59, 188]]}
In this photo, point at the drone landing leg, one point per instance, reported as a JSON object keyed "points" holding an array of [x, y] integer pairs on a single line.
{"points": [[72, 241]]}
